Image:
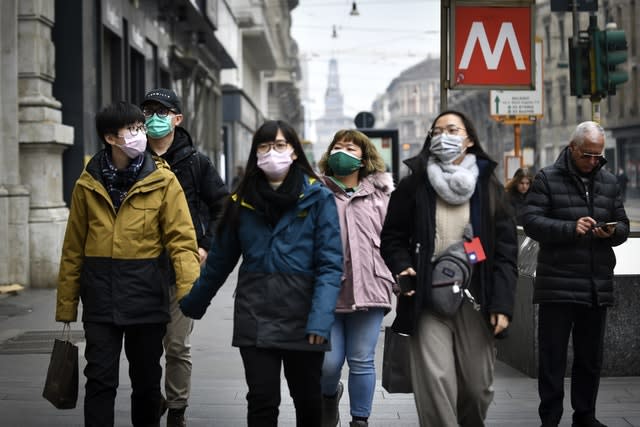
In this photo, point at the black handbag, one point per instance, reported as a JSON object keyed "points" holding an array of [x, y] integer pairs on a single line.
{"points": [[61, 385], [450, 278], [396, 371]]}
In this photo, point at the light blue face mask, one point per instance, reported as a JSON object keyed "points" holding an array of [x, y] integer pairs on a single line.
{"points": [[447, 147], [158, 127]]}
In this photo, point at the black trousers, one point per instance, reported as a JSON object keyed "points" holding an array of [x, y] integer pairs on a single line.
{"points": [[587, 325], [143, 348], [302, 370]]}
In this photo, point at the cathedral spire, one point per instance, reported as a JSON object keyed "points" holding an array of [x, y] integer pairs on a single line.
{"points": [[333, 99]]}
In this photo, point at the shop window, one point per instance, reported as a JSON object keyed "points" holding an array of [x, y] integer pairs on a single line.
{"points": [[137, 77], [112, 71]]}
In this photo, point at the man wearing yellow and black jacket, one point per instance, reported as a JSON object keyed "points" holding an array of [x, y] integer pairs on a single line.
{"points": [[126, 209]]}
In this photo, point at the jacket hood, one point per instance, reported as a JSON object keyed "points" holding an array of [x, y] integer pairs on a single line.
{"points": [[149, 164], [383, 181], [311, 189], [565, 162], [181, 148]]}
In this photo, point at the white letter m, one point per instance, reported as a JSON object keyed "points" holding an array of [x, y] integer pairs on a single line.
{"points": [[492, 59]]}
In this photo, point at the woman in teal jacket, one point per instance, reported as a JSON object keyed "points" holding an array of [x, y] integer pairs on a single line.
{"points": [[284, 224]]}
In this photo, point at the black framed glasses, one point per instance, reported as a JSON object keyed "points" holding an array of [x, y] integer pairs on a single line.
{"points": [[135, 130], [279, 145], [450, 129], [159, 111]]}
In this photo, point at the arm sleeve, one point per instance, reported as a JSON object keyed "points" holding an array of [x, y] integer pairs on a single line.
{"points": [[68, 292], [213, 193], [223, 256], [397, 229], [328, 268], [505, 255], [536, 220], [179, 237]]}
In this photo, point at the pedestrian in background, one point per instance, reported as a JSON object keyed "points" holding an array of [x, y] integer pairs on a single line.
{"points": [[284, 224], [126, 210], [517, 189], [567, 208], [355, 172], [623, 180], [452, 183], [205, 193]]}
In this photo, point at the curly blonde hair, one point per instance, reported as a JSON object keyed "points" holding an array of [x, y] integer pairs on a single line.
{"points": [[372, 162]]}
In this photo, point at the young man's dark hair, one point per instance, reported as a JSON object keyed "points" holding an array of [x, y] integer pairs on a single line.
{"points": [[116, 116]]}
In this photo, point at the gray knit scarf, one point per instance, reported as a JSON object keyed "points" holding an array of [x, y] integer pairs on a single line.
{"points": [[454, 183]]}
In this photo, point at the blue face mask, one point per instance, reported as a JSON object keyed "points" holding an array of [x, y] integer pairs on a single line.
{"points": [[158, 127]]}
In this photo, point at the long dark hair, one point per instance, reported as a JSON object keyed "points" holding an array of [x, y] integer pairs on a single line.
{"points": [[521, 174], [476, 148], [265, 133]]}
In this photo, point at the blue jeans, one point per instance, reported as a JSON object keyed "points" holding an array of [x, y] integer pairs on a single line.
{"points": [[354, 336]]}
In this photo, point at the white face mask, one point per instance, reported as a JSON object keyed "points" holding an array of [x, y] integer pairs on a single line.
{"points": [[275, 165], [134, 145], [447, 147]]}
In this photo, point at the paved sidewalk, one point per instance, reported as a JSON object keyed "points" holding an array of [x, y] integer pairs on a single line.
{"points": [[218, 392]]}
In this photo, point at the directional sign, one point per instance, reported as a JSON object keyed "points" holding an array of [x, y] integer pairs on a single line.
{"points": [[492, 45], [519, 106]]}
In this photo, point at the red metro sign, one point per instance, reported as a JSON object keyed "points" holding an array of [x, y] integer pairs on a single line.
{"points": [[492, 47]]}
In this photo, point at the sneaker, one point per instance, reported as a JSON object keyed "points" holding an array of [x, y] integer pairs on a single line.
{"points": [[330, 412], [175, 417], [358, 423]]}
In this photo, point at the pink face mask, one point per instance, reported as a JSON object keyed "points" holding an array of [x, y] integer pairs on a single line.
{"points": [[275, 165], [134, 145]]}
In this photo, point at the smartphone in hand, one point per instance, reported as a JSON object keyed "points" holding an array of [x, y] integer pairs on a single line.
{"points": [[606, 224]]}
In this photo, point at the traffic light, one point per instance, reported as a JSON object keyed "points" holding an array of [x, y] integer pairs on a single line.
{"points": [[610, 50], [579, 67]]}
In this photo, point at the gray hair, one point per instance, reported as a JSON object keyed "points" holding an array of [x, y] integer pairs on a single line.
{"points": [[585, 129]]}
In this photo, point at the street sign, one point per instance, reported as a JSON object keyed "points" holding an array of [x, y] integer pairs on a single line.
{"points": [[520, 106], [364, 120], [492, 45]]}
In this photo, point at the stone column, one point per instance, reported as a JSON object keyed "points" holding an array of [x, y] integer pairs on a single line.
{"points": [[43, 138], [14, 197]]}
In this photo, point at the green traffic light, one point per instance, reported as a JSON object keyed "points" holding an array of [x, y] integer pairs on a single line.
{"points": [[610, 51]]}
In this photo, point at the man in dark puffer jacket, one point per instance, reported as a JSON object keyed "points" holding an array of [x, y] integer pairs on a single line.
{"points": [[566, 206]]}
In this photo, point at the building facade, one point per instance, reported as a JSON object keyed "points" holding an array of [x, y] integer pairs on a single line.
{"points": [[409, 104], [620, 113], [265, 83], [63, 60]]}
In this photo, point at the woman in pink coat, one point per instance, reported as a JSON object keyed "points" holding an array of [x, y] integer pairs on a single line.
{"points": [[355, 172]]}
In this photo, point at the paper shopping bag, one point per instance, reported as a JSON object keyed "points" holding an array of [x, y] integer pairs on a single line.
{"points": [[61, 385]]}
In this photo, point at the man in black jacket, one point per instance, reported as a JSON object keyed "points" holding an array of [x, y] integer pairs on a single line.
{"points": [[568, 207], [205, 192]]}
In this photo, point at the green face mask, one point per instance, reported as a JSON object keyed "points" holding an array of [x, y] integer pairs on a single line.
{"points": [[343, 163], [158, 127]]}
